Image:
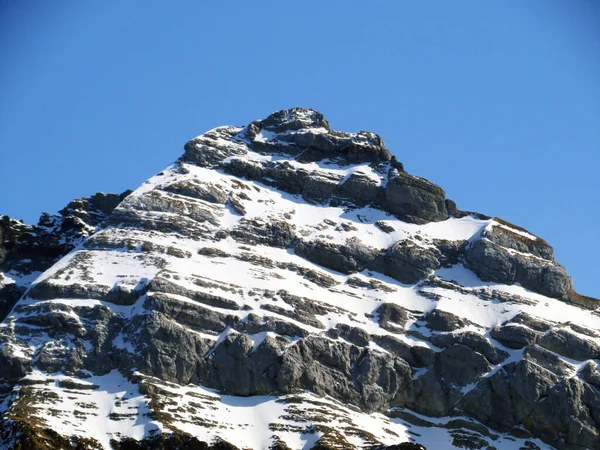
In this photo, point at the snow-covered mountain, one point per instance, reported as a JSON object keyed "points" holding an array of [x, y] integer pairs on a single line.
{"points": [[287, 286]]}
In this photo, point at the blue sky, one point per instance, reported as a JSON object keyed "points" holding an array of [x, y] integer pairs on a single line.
{"points": [[498, 102]]}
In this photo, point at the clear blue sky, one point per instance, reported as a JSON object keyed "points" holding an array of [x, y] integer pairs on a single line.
{"points": [[498, 102]]}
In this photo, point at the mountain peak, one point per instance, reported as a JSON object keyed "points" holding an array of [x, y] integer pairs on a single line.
{"points": [[293, 119], [289, 286]]}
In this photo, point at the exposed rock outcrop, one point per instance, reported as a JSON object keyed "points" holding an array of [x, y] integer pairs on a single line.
{"points": [[508, 255], [27, 250]]}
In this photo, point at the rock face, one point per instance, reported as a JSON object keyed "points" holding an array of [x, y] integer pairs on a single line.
{"points": [[507, 254], [288, 286], [26, 251], [415, 199]]}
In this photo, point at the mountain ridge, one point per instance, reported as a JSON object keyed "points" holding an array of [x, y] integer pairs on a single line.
{"points": [[283, 267]]}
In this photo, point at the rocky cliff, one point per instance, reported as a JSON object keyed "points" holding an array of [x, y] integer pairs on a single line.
{"points": [[287, 286]]}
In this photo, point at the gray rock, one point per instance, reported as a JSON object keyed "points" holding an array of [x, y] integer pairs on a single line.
{"points": [[568, 416], [287, 178], [53, 318], [157, 201], [25, 249], [209, 151], [305, 309], [390, 312], [570, 345], [13, 367], [583, 330], [514, 335], [449, 251], [236, 368], [200, 191], [165, 286], [591, 374], [354, 335], [437, 391], [345, 372], [407, 262], [384, 227], [368, 147], [428, 395], [360, 188], [293, 119], [531, 322], [296, 314], [191, 315], [9, 294], [547, 360], [438, 320], [349, 258], [320, 186], [273, 233], [460, 365], [243, 168], [125, 217], [507, 398], [474, 341], [165, 349], [451, 208], [414, 199], [416, 356], [46, 290], [503, 236], [126, 294], [93, 210], [257, 324], [492, 262]]}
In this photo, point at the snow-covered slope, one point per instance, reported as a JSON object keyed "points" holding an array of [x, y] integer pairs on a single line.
{"points": [[284, 285], [26, 250]]}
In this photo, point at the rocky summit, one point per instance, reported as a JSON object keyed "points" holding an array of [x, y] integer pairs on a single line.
{"points": [[287, 286]]}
